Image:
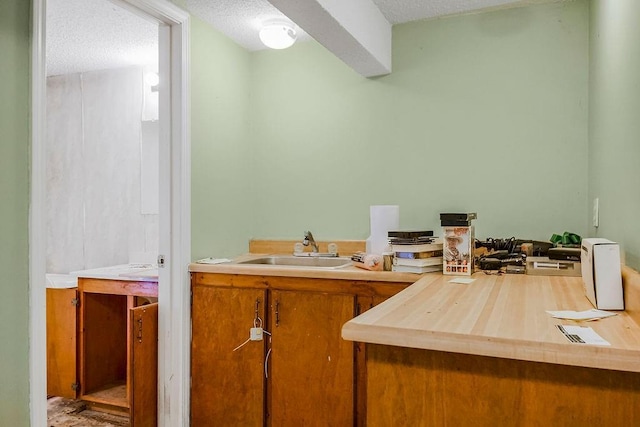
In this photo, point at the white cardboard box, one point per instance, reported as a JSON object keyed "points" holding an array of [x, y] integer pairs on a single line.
{"points": [[601, 273]]}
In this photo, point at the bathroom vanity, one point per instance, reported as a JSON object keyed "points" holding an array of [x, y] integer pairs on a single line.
{"points": [[111, 321], [118, 347]]}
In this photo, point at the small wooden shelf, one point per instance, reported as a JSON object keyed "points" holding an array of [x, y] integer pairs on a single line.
{"points": [[111, 394]]}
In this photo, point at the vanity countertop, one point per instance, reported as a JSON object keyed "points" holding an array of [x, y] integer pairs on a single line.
{"points": [[128, 272]]}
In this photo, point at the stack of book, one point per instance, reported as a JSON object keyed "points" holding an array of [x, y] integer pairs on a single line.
{"points": [[415, 251]]}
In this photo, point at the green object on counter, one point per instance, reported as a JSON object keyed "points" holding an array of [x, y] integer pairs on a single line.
{"points": [[567, 238]]}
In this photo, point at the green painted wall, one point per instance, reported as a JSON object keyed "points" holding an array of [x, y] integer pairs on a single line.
{"points": [[478, 107], [614, 122], [221, 200], [14, 210], [484, 113]]}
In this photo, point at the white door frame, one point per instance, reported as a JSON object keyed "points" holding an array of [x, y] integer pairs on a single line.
{"points": [[174, 295]]}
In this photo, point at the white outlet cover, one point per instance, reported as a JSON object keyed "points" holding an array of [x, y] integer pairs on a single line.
{"points": [[596, 212]]}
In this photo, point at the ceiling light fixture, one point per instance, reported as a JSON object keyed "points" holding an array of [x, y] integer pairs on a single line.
{"points": [[278, 34]]}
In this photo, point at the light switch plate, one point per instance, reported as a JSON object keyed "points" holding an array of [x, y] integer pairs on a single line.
{"points": [[596, 212]]}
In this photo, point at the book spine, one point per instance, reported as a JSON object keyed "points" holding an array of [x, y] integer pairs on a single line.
{"points": [[418, 255], [417, 248], [410, 234], [420, 262], [418, 270]]}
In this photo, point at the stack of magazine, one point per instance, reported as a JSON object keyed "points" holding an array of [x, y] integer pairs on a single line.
{"points": [[415, 251]]}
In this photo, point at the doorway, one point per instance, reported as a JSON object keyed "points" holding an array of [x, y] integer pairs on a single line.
{"points": [[174, 207]]}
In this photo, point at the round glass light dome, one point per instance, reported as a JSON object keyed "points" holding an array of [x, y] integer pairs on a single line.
{"points": [[278, 35]]}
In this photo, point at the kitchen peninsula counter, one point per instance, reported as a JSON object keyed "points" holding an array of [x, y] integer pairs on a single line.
{"points": [[487, 353], [499, 316]]}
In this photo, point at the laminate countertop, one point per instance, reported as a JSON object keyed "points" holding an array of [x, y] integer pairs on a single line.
{"points": [[342, 273], [126, 272], [498, 316]]}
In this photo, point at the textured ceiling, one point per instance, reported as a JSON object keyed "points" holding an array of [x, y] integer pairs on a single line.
{"points": [[400, 11], [85, 35]]}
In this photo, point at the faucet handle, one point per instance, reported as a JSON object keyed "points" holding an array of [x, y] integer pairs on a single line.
{"points": [[333, 249]]}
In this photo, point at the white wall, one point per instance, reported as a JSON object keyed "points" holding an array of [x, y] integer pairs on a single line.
{"points": [[94, 133]]}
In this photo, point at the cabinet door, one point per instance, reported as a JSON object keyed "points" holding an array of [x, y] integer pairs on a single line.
{"points": [[227, 386], [311, 368], [143, 365], [61, 342]]}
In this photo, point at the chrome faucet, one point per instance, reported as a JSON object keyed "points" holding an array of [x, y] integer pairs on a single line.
{"points": [[308, 239]]}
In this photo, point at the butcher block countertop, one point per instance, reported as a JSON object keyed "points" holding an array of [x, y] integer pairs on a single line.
{"points": [[498, 316]]}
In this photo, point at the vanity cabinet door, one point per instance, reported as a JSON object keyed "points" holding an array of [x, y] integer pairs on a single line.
{"points": [[311, 372], [143, 368], [227, 386], [62, 321]]}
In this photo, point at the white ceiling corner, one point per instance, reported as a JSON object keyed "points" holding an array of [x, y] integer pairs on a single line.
{"points": [[354, 31]]}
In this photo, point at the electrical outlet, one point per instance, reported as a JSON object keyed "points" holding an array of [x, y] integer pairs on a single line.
{"points": [[255, 334], [596, 212]]}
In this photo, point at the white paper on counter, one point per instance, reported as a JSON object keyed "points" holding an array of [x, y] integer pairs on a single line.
{"points": [[592, 314], [213, 261], [582, 335], [463, 280]]}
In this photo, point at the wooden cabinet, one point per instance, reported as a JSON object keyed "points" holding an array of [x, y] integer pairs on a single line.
{"points": [[363, 303], [311, 366], [313, 376], [62, 324], [119, 348], [227, 386], [143, 365]]}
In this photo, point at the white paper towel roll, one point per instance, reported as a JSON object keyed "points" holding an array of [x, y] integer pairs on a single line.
{"points": [[382, 219]]}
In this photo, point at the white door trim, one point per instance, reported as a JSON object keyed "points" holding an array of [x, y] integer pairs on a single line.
{"points": [[37, 222], [175, 215]]}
